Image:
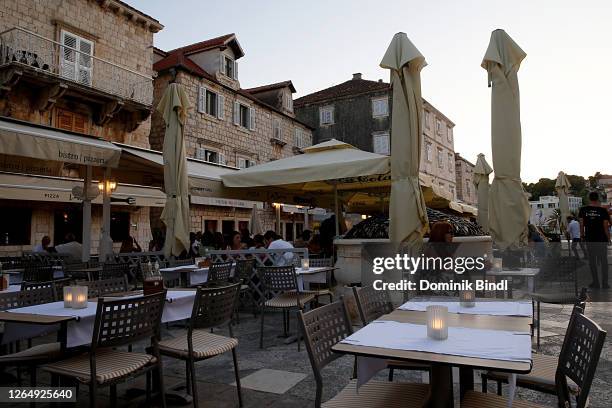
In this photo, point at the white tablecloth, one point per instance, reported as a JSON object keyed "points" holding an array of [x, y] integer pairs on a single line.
{"points": [[482, 307], [179, 304], [311, 275]]}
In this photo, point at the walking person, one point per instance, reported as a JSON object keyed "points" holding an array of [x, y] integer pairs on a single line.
{"points": [[573, 235], [594, 229]]}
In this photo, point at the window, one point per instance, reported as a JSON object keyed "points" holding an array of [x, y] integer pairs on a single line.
{"points": [[301, 138], [449, 134], [440, 158], [540, 205], [16, 229], [288, 102], [277, 131], [428, 152], [467, 190], [119, 226], [244, 116], [326, 115], [209, 155], [426, 119], [380, 143], [243, 163], [71, 121], [451, 164], [210, 225], [75, 60], [551, 205], [438, 127], [380, 107], [210, 102], [229, 67]]}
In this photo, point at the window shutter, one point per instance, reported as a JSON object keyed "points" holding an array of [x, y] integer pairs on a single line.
{"points": [[200, 154], [85, 63], [201, 99], [251, 118], [221, 157], [236, 113], [321, 116], [220, 106], [236, 70], [241, 163], [221, 63], [68, 58]]}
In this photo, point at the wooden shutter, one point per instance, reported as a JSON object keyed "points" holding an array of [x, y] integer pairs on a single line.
{"points": [[221, 158], [236, 70], [71, 121], [201, 104], [85, 62], [220, 106], [221, 63], [68, 61], [251, 118], [236, 113]]}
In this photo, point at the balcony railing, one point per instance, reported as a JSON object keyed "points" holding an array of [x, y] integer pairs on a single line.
{"points": [[20, 46]]}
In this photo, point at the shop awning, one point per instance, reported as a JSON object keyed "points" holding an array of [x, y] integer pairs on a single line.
{"points": [[40, 142], [59, 189]]}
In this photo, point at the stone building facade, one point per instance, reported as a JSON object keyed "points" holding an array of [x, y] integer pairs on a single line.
{"points": [[228, 125], [78, 66], [464, 170], [358, 112]]}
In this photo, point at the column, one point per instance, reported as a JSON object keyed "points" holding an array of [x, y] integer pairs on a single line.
{"points": [[106, 243], [86, 215]]}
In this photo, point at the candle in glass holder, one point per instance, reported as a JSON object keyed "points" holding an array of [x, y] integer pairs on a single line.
{"points": [[497, 264], [79, 297], [68, 292], [305, 264], [437, 322], [467, 298]]}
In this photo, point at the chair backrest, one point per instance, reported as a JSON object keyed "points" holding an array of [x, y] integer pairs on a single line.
{"points": [[180, 262], [323, 327], [37, 273], [278, 278], [578, 359], [114, 270], [37, 296], [125, 321], [70, 269], [59, 285], [320, 262], [102, 287], [372, 303], [219, 272], [244, 270], [9, 300], [213, 306], [36, 285]]}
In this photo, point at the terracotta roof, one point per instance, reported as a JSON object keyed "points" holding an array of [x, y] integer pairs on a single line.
{"points": [[224, 40], [269, 87], [177, 59], [349, 88]]}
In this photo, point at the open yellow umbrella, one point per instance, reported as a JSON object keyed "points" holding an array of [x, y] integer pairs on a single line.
{"points": [[173, 107], [562, 185], [481, 181], [508, 206], [407, 212]]}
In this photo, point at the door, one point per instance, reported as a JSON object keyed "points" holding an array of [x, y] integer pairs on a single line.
{"points": [[67, 221]]}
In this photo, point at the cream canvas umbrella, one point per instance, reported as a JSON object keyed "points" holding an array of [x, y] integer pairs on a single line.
{"points": [[508, 206], [562, 185], [407, 212], [481, 181], [255, 222], [173, 107]]}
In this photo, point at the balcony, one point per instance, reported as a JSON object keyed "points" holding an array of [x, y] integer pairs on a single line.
{"points": [[56, 68]]}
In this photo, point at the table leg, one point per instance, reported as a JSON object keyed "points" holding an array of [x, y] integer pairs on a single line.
{"points": [[62, 336], [466, 380], [441, 387]]}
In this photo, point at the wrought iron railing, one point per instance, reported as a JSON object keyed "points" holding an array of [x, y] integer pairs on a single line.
{"points": [[20, 46]]}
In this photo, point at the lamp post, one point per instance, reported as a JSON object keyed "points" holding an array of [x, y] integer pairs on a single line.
{"points": [[277, 207], [106, 187]]}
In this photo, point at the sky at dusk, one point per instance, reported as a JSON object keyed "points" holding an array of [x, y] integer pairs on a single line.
{"points": [[565, 81]]}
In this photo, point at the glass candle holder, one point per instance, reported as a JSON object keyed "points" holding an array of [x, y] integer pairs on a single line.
{"points": [[437, 322], [305, 263], [79, 297], [68, 297], [497, 264], [467, 298]]}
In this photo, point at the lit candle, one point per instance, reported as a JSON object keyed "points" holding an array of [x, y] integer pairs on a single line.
{"points": [[305, 263], [437, 325], [497, 264], [467, 298], [67, 297], [79, 296]]}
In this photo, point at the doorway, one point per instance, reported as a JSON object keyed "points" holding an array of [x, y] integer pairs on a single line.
{"points": [[66, 221]]}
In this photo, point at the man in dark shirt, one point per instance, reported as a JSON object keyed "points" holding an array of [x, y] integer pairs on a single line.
{"points": [[594, 229]]}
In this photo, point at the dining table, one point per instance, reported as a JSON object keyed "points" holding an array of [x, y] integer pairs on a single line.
{"points": [[519, 272], [496, 341]]}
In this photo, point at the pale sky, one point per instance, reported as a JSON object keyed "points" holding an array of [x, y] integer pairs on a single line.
{"points": [[565, 81]]}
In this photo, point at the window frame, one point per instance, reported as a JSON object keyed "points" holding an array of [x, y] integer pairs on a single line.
{"points": [[429, 152], [326, 109], [376, 135], [227, 58], [379, 99]]}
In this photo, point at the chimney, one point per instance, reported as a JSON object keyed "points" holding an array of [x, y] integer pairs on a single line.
{"points": [[357, 76], [380, 81]]}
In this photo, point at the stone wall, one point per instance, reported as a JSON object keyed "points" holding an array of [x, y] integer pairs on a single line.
{"points": [[466, 190]]}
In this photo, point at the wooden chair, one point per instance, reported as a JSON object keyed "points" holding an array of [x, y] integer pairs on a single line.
{"points": [[243, 274], [371, 305], [280, 291], [542, 375], [325, 326], [219, 273], [118, 323], [102, 287], [577, 362], [213, 307]]}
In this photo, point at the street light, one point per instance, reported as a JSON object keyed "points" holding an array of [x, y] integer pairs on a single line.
{"points": [[111, 186]]}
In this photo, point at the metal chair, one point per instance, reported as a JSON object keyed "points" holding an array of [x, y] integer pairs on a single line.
{"points": [[219, 273], [118, 323], [326, 290], [371, 305], [114, 270], [325, 326], [35, 272], [71, 269], [213, 307], [102, 287], [243, 274], [280, 291], [577, 362]]}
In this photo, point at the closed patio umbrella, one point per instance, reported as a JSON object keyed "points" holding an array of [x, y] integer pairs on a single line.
{"points": [[173, 107], [481, 181], [562, 185], [255, 222], [508, 205], [407, 212]]}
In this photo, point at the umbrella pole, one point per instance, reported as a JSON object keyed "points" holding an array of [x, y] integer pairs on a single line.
{"points": [[105, 242], [278, 220], [86, 216], [336, 210]]}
